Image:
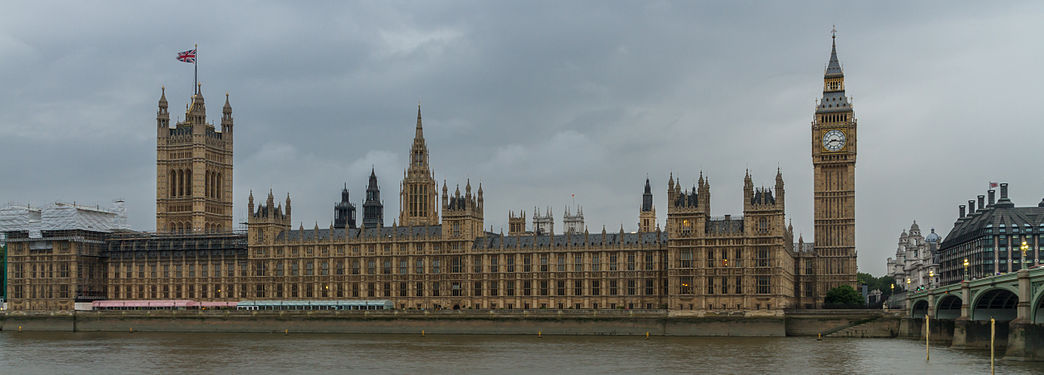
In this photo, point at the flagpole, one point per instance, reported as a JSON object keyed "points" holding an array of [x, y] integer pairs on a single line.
{"points": [[195, 68]]}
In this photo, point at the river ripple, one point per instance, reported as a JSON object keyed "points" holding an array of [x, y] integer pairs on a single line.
{"points": [[168, 353]]}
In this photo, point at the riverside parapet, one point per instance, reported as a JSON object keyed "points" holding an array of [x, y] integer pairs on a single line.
{"points": [[523, 322]]}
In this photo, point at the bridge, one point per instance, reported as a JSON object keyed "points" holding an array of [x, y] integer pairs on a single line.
{"points": [[961, 313]]}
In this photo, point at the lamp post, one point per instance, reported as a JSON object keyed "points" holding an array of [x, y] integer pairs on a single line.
{"points": [[1024, 247], [908, 284], [931, 278], [965, 269]]}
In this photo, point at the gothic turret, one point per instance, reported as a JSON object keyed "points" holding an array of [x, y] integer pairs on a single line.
{"points": [[647, 215], [373, 208], [344, 212], [462, 216]]}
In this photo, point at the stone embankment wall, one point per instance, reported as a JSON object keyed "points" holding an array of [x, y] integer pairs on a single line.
{"points": [[843, 323], [549, 322]]}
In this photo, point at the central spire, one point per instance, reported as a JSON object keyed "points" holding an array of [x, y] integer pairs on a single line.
{"points": [[420, 129]]}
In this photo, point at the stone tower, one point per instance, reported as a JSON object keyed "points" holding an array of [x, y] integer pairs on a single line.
{"points": [[266, 222], [763, 208], [462, 214], [193, 170], [373, 207], [418, 192], [516, 224], [543, 224], [834, 158], [687, 211], [573, 222], [647, 215], [344, 212]]}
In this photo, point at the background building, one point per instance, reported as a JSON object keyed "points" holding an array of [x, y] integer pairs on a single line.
{"points": [[916, 258], [990, 238]]}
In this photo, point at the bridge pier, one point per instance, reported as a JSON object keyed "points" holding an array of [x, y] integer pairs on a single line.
{"points": [[975, 334], [1026, 340]]}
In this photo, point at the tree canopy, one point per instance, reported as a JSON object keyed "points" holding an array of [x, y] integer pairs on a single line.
{"points": [[843, 295]]}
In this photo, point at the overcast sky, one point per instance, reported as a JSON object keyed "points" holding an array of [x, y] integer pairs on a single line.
{"points": [[537, 101]]}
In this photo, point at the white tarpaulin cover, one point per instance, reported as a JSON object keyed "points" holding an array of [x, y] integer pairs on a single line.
{"points": [[62, 216]]}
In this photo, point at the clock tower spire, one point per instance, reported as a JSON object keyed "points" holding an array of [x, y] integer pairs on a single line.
{"points": [[834, 159]]}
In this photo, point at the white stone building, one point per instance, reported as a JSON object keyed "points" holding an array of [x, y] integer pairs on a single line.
{"points": [[916, 263]]}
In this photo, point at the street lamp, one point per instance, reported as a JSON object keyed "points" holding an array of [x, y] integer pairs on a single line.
{"points": [[966, 269], [907, 283], [931, 277], [1024, 247]]}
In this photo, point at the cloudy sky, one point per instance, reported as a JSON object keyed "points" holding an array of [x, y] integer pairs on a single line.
{"points": [[535, 100]]}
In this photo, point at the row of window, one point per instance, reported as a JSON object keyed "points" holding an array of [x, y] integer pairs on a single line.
{"points": [[721, 285], [510, 288], [720, 258], [456, 264]]}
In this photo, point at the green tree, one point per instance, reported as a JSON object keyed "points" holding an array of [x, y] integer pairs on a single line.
{"points": [[843, 295]]}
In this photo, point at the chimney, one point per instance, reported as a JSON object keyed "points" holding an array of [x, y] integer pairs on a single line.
{"points": [[1004, 190], [962, 211], [982, 202], [971, 207], [993, 195]]}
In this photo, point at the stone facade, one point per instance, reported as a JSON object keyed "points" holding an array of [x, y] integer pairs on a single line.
{"points": [[440, 256], [193, 170]]}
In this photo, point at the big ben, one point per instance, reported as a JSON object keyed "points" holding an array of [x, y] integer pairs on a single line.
{"points": [[834, 158]]}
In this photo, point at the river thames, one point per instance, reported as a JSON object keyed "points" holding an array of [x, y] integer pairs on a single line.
{"points": [[167, 353]]}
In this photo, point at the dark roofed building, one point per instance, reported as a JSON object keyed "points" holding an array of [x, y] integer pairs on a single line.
{"points": [[990, 237]]}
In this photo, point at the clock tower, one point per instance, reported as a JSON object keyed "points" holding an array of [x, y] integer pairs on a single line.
{"points": [[834, 159]]}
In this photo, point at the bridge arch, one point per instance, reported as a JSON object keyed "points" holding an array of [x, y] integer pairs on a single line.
{"points": [[948, 307], [1037, 308], [919, 309], [997, 303]]}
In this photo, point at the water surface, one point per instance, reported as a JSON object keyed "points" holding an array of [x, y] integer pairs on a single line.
{"points": [[259, 353]]}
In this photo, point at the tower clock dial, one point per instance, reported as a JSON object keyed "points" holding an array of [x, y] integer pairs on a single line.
{"points": [[834, 140]]}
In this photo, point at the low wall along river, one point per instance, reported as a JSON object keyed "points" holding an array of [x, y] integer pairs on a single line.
{"points": [[545, 322]]}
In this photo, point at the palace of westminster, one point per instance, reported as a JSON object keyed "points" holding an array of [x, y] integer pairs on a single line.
{"points": [[436, 253]]}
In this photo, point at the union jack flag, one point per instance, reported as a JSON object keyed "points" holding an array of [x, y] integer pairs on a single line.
{"points": [[188, 56]]}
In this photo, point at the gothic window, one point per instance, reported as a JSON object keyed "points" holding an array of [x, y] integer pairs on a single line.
{"points": [[763, 284], [578, 287], [686, 259], [612, 288]]}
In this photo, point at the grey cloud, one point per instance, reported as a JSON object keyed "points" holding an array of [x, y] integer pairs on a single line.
{"points": [[537, 101]]}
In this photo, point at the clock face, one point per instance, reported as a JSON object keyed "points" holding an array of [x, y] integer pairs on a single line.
{"points": [[834, 140]]}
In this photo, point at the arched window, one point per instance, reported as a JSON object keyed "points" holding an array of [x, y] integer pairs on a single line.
{"points": [[172, 178], [181, 182], [188, 182], [206, 186], [217, 194]]}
